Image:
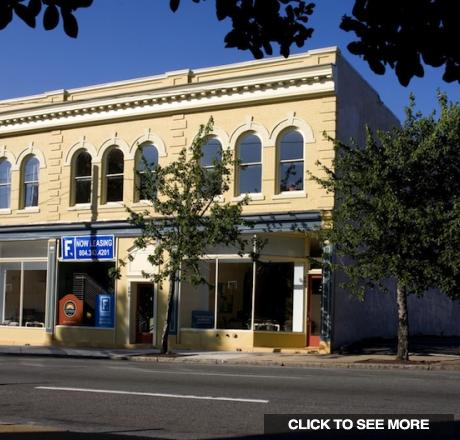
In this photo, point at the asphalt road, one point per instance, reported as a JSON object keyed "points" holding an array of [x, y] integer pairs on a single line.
{"points": [[160, 400]]}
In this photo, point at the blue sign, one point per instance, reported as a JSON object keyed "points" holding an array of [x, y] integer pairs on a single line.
{"points": [[88, 247], [202, 319], [104, 310]]}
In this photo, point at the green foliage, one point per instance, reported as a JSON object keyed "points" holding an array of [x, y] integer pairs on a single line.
{"points": [[397, 209], [187, 214], [53, 10], [403, 35]]}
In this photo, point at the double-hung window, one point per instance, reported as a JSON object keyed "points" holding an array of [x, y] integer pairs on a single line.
{"points": [[146, 162], [30, 182], [114, 176], [291, 162], [250, 165], [5, 184], [212, 153], [83, 178]]}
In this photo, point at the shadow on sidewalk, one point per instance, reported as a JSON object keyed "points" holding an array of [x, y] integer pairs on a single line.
{"points": [[418, 345]]}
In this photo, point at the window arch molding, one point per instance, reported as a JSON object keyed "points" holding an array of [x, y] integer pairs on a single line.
{"points": [[10, 157], [250, 126], [113, 142], [148, 138], [221, 135], [30, 150], [82, 144], [292, 123]]}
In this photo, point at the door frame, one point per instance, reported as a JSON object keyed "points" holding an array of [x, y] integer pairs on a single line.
{"points": [[311, 340], [133, 310]]}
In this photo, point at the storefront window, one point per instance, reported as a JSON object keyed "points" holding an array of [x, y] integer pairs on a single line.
{"points": [[10, 278], [198, 302], [273, 310], [234, 299], [85, 284], [233, 290], [23, 284]]}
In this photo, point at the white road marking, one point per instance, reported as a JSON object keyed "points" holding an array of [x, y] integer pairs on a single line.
{"points": [[29, 364], [136, 393], [192, 373]]}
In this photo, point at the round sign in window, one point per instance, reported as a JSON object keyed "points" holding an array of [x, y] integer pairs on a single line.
{"points": [[70, 309]]}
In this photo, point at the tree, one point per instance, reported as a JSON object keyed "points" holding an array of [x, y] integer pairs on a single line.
{"points": [[394, 33], [401, 34], [397, 210], [186, 216], [53, 10]]}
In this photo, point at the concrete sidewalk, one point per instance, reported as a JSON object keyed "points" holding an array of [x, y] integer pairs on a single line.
{"points": [[285, 358]]}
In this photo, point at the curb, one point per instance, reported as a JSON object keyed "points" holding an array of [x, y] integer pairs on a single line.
{"points": [[301, 364]]}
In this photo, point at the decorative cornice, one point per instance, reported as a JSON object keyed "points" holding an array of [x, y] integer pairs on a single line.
{"points": [[318, 79]]}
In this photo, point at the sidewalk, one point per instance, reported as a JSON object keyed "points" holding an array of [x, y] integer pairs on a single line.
{"points": [[284, 359]]}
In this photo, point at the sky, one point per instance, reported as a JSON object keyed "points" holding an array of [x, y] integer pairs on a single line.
{"points": [[124, 39]]}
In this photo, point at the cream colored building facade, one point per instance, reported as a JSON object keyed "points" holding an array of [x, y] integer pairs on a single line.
{"points": [[68, 162]]}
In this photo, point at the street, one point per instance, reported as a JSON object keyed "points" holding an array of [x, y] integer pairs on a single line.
{"points": [[162, 400]]}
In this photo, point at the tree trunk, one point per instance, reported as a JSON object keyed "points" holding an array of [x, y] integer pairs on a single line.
{"points": [[403, 324], [169, 308]]}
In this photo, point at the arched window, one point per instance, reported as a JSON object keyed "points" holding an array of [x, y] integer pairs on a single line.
{"points": [[114, 167], [291, 161], [250, 165], [82, 177], [30, 174], [147, 160], [212, 153], [5, 184]]}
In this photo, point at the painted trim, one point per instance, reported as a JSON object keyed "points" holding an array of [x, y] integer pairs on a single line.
{"points": [[82, 144], [31, 149], [250, 127], [266, 87], [9, 156], [296, 123], [115, 142], [149, 137]]}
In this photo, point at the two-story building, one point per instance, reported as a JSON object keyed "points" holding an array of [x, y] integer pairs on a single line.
{"points": [[70, 163]]}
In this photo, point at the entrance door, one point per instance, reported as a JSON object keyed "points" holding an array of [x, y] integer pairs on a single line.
{"points": [[144, 313], [314, 310]]}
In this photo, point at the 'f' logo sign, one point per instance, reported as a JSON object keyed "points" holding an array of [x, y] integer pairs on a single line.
{"points": [[68, 248]]}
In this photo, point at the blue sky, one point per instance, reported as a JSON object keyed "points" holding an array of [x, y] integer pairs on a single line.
{"points": [[122, 39]]}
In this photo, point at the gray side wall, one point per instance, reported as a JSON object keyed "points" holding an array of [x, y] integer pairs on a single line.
{"points": [[358, 105], [433, 314]]}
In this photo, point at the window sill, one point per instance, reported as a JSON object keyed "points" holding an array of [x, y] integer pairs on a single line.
{"points": [[112, 205], [142, 203], [80, 207], [88, 327], [4, 211], [251, 196], [28, 210], [290, 195]]}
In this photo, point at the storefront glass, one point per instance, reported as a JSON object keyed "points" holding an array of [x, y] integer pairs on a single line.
{"points": [[274, 296], [87, 283], [23, 277], [198, 302], [234, 295]]}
